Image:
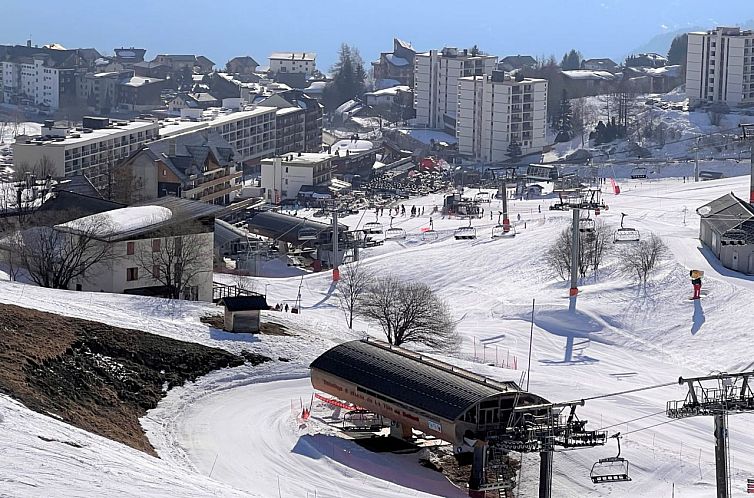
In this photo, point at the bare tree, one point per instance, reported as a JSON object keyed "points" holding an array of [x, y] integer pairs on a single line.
{"points": [[640, 260], [409, 312], [353, 286], [176, 257], [593, 245], [41, 169], [54, 256]]}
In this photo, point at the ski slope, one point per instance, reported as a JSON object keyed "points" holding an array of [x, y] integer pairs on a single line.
{"points": [[240, 425]]}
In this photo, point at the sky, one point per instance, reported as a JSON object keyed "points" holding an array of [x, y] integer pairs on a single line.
{"points": [[224, 29]]}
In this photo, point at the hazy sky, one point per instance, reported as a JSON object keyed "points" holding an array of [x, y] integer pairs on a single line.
{"points": [[222, 29]]}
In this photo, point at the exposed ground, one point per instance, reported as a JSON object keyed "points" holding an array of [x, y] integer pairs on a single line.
{"points": [[95, 376]]}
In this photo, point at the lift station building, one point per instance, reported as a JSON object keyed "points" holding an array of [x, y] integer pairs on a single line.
{"points": [[418, 392]]}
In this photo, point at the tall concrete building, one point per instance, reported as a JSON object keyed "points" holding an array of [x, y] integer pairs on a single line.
{"points": [[720, 66], [494, 110], [436, 76]]}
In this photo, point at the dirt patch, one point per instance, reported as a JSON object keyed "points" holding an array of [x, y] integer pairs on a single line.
{"points": [[95, 376], [265, 328]]}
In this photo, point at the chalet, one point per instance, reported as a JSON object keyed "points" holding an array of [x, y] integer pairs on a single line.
{"points": [[242, 65]]}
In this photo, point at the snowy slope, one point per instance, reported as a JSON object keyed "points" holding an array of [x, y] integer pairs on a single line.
{"points": [[240, 424]]}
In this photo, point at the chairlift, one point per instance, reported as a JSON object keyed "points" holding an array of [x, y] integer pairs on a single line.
{"points": [[430, 234], [482, 197], [394, 232], [625, 234], [638, 173], [611, 469], [465, 233], [307, 234], [502, 229], [373, 227], [586, 225]]}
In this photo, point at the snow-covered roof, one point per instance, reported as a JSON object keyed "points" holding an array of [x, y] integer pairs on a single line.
{"points": [[353, 146], [120, 221], [299, 56], [393, 90], [396, 61], [404, 44], [138, 81], [586, 74]]}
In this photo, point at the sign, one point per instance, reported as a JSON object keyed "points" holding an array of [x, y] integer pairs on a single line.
{"points": [[750, 485], [434, 426]]}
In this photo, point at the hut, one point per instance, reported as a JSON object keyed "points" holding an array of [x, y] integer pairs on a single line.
{"points": [[242, 313]]}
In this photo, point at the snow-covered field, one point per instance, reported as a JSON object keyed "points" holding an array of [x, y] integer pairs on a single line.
{"points": [[239, 425]]}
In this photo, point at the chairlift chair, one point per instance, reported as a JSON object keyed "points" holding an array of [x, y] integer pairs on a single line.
{"points": [[373, 227], [501, 230], [611, 469], [638, 173], [625, 234], [465, 233], [394, 232], [586, 225], [430, 234]]}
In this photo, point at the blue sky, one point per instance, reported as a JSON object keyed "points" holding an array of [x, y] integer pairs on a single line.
{"points": [[226, 28]]}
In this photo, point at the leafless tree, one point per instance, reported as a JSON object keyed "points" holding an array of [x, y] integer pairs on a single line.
{"points": [[41, 169], [175, 258], [55, 255], [593, 246], [641, 259], [409, 312], [353, 286]]}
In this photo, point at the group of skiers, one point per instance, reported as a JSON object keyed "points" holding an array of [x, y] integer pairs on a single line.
{"points": [[401, 211]]}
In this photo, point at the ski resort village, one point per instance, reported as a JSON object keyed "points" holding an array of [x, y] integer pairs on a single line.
{"points": [[431, 271]]}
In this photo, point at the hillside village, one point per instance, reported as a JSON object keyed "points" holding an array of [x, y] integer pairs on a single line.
{"points": [[443, 272]]}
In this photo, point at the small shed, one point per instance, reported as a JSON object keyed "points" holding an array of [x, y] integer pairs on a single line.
{"points": [[727, 228], [242, 313]]}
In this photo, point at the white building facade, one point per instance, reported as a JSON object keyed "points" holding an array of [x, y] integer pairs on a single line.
{"points": [[720, 66], [436, 75], [283, 177], [293, 62], [495, 110], [32, 80]]}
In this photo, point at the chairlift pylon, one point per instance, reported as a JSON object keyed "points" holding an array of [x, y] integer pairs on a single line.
{"points": [[502, 229], [611, 469]]}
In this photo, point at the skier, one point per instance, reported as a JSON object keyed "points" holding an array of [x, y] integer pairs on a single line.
{"points": [[696, 282], [286, 307]]}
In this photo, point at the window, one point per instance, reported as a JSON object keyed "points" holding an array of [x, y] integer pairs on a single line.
{"points": [[155, 271], [132, 274], [130, 248], [156, 244], [178, 241]]}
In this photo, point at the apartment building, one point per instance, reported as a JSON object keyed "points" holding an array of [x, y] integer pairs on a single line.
{"points": [[299, 122], [720, 66], [293, 62], [436, 75], [37, 81], [251, 133], [495, 110], [283, 177], [91, 150], [397, 65], [199, 165]]}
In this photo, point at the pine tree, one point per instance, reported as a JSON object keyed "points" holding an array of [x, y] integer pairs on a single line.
{"points": [[564, 123], [571, 60], [678, 49], [348, 80]]}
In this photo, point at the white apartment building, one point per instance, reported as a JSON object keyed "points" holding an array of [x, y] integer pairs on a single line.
{"points": [[32, 80], [283, 177], [90, 150], [293, 62], [720, 66], [494, 110], [251, 133], [436, 76]]}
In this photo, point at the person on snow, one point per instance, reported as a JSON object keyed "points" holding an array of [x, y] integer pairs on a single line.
{"points": [[286, 307], [696, 282]]}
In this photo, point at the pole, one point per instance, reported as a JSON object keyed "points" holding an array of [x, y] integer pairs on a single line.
{"points": [[721, 454], [506, 221], [696, 160], [335, 270], [751, 175], [531, 340], [575, 254], [545, 474]]}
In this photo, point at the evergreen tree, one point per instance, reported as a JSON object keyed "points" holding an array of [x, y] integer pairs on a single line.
{"points": [[571, 60], [348, 80], [514, 149], [564, 123], [678, 49]]}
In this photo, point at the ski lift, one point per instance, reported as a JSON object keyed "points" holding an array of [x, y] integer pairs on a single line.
{"points": [[373, 227], [503, 229], [394, 232], [586, 225], [625, 234], [611, 469], [307, 234], [430, 233], [638, 173], [465, 233], [482, 197]]}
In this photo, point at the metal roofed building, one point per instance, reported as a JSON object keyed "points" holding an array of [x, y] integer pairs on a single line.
{"points": [[727, 229], [418, 392]]}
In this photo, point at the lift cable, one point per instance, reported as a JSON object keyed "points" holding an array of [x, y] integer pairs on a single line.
{"points": [[631, 391], [633, 420]]}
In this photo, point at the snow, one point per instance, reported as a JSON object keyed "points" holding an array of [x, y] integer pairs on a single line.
{"points": [[586, 74], [123, 220], [240, 424], [353, 146], [424, 135], [391, 91], [396, 61]]}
